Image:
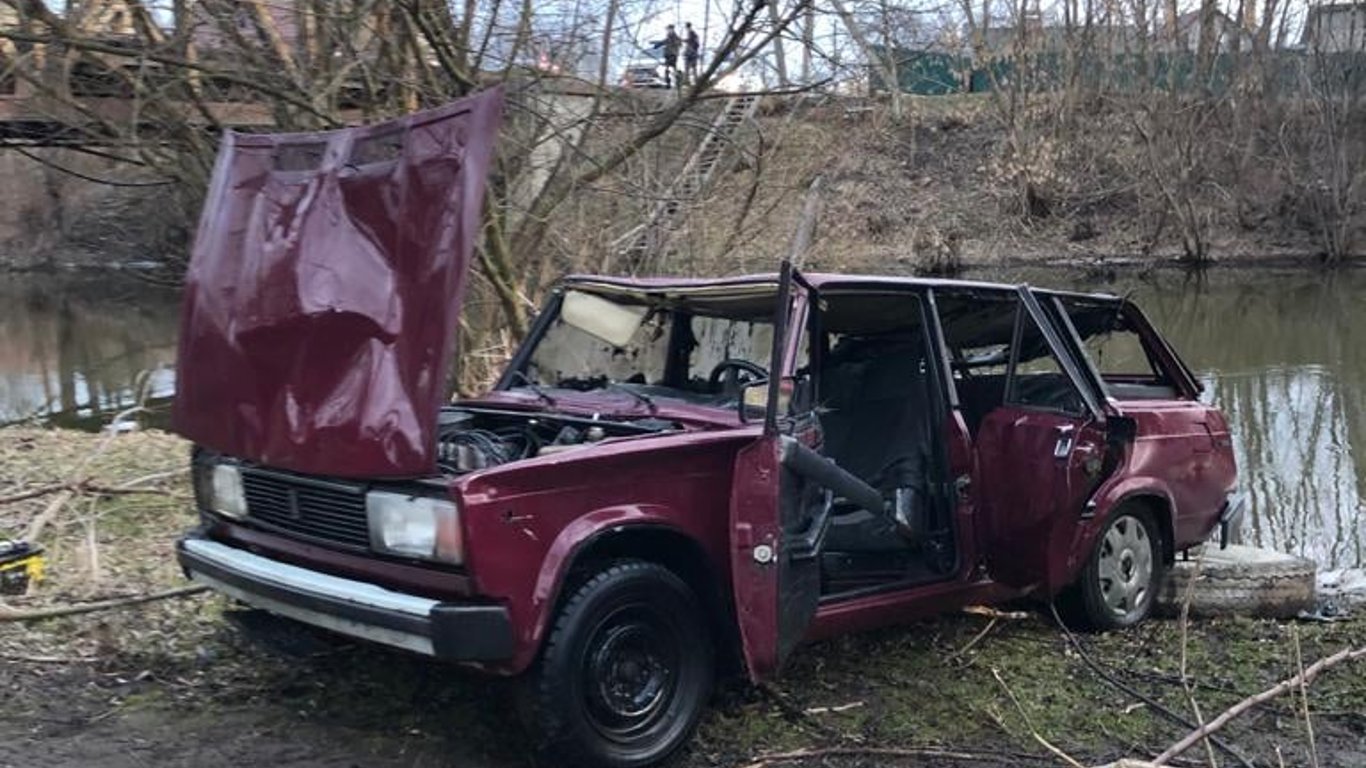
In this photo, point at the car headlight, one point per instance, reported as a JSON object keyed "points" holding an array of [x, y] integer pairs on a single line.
{"points": [[226, 496], [414, 526]]}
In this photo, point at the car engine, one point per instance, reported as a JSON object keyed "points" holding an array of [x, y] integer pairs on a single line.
{"points": [[470, 439]]}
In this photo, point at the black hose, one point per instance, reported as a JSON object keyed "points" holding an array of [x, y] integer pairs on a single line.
{"points": [[1156, 705]]}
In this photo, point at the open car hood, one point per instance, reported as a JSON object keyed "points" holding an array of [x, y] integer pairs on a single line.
{"points": [[324, 285]]}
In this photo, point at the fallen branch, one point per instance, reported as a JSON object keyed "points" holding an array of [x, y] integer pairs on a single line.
{"points": [[795, 713], [995, 613], [1043, 742], [884, 752], [48, 659], [33, 493], [164, 474], [10, 614], [1184, 623], [1303, 679], [961, 652], [84, 486], [834, 709], [120, 490], [1304, 697], [36, 526]]}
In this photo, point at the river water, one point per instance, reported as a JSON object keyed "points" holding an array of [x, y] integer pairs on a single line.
{"points": [[1283, 353]]}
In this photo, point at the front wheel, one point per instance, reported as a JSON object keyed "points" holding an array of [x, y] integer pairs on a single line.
{"points": [[627, 670], [1118, 585]]}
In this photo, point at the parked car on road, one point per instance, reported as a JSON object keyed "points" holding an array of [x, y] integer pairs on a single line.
{"points": [[672, 476], [647, 69]]}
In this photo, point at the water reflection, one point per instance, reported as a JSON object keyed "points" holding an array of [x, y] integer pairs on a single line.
{"points": [[79, 350], [1281, 353]]}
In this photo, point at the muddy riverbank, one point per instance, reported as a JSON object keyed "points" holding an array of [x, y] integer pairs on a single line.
{"points": [[212, 698], [178, 682]]}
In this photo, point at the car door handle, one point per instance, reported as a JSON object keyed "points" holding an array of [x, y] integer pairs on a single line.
{"points": [[1063, 447]]}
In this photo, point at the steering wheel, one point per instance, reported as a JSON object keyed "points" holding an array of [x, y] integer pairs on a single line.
{"points": [[732, 369]]}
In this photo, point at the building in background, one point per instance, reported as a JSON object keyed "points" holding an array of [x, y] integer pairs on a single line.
{"points": [[1336, 28]]}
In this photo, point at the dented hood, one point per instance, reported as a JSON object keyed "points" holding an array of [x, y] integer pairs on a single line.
{"points": [[323, 289]]}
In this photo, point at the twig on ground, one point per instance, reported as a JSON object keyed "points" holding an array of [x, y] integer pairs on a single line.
{"points": [[961, 652], [35, 527], [86, 486], [1184, 625], [11, 614], [38, 523], [48, 659], [165, 474], [1301, 679], [834, 709], [1045, 743], [1304, 697], [906, 753], [796, 713], [995, 613], [92, 543], [33, 493]]}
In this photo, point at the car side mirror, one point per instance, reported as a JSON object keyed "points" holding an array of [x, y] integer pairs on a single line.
{"points": [[753, 400]]}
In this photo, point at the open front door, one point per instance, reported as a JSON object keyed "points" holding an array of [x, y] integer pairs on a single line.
{"points": [[1039, 455], [778, 516]]}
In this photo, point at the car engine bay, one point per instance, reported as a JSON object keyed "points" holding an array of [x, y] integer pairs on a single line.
{"points": [[470, 439]]}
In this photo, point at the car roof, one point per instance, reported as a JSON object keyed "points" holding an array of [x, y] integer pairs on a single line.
{"points": [[818, 280]]}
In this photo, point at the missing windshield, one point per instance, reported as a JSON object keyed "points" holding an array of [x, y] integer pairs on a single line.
{"points": [[646, 346]]}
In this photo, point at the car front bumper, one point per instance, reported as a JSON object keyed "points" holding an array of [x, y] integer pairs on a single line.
{"points": [[443, 630]]}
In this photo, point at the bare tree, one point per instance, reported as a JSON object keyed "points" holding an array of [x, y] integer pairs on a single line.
{"points": [[311, 64]]}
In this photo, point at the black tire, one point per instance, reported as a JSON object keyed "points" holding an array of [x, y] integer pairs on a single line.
{"points": [[1114, 589], [626, 672]]}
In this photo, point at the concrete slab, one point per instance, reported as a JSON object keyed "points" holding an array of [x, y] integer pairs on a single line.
{"points": [[1240, 581]]}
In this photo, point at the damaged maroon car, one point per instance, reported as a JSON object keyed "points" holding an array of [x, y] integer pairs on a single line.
{"points": [[672, 476]]}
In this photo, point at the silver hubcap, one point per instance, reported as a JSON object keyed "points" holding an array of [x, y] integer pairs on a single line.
{"points": [[1126, 567]]}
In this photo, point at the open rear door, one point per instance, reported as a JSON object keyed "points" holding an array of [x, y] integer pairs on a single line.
{"points": [[778, 515], [1039, 455]]}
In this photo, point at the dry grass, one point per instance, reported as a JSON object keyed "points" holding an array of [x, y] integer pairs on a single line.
{"points": [[99, 544]]}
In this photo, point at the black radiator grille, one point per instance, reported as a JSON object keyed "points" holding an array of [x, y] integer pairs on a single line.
{"points": [[325, 510]]}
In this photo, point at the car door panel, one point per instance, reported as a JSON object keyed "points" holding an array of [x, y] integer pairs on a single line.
{"points": [[777, 514], [1037, 465]]}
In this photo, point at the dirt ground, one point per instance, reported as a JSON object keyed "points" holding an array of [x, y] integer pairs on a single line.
{"points": [[175, 684], [193, 681]]}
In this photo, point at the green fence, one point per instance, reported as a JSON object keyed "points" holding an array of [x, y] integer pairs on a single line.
{"points": [[936, 74]]}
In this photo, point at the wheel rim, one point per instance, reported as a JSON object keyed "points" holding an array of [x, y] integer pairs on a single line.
{"points": [[1126, 567], [630, 673]]}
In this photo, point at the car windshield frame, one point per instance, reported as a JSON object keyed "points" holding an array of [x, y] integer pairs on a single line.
{"points": [[751, 302]]}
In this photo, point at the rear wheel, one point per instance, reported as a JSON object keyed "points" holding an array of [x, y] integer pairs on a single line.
{"points": [[627, 670], [1118, 585]]}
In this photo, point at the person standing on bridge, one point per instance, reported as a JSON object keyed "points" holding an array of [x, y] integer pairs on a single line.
{"points": [[692, 53], [671, 45]]}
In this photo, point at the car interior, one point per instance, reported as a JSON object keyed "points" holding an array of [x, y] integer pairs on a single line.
{"points": [[879, 410], [988, 331], [880, 405]]}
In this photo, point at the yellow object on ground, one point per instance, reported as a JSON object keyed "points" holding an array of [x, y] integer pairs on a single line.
{"points": [[20, 566]]}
